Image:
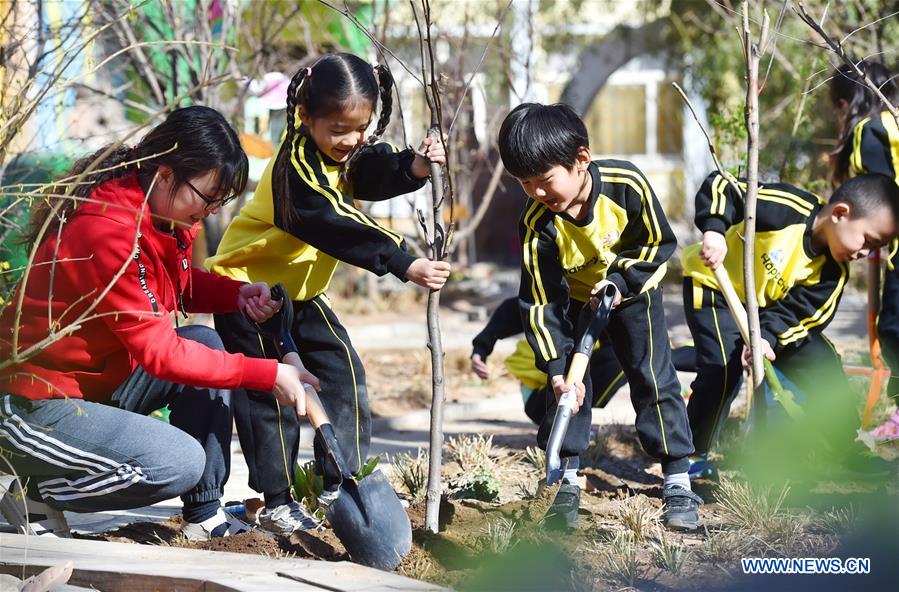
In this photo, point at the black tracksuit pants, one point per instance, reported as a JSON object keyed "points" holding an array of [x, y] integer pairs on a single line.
{"points": [[269, 433], [639, 335], [814, 366]]}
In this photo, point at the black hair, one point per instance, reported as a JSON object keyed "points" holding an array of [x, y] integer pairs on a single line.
{"points": [[191, 141], [534, 138], [867, 194], [861, 102], [334, 82]]}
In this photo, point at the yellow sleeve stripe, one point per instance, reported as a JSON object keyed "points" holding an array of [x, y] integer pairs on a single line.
{"points": [[638, 184], [821, 316], [308, 174], [773, 197], [889, 123], [855, 159], [538, 293], [719, 199]]}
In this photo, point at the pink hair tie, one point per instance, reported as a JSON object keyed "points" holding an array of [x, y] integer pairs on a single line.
{"points": [[308, 72]]}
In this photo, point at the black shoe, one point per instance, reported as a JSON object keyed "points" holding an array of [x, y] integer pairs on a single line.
{"points": [[681, 508], [562, 515]]}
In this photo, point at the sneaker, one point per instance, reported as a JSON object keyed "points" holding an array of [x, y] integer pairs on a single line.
{"points": [[681, 508], [327, 498], [887, 431], [287, 519], [222, 524], [702, 468], [562, 515], [31, 517]]}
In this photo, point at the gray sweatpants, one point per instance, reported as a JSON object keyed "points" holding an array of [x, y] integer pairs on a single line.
{"points": [[82, 456]]}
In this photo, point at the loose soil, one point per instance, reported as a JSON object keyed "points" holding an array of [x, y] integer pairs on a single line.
{"points": [[507, 545], [620, 542]]}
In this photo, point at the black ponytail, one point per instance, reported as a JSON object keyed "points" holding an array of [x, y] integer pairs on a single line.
{"points": [[280, 187]]}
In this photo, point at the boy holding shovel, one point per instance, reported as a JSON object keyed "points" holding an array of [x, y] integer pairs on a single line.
{"points": [[803, 248], [592, 224]]}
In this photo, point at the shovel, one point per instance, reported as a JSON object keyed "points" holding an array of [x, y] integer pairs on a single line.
{"points": [[367, 515], [786, 398], [590, 324]]}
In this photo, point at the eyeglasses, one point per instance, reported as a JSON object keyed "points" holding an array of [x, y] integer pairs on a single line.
{"points": [[211, 203]]}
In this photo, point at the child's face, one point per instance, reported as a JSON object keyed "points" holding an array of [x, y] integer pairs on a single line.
{"points": [[341, 132], [853, 238], [560, 188], [190, 203]]}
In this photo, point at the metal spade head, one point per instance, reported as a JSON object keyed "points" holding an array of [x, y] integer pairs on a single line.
{"points": [[371, 523]]}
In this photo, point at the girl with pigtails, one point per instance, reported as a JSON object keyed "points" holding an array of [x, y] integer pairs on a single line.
{"points": [[301, 221]]}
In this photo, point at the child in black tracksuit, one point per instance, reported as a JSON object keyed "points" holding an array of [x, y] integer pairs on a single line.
{"points": [[591, 224], [803, 248], [300, 223]]}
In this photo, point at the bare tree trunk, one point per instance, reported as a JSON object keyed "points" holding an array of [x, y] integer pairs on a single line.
{"points": [[435, 344], [753, 54]]}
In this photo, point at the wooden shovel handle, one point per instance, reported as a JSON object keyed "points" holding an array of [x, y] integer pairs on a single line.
{"points": [[577, 369], [314, 410], [733, 301]]}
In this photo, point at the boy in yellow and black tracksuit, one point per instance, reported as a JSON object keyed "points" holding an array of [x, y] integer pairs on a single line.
{"points": [[590, 224], [803, 247]]}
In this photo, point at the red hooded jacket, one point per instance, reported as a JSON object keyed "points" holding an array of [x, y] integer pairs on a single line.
{"points": [[131, 323]]}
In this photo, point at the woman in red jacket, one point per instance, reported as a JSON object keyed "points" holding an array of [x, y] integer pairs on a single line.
{"points": [[88, 346]]}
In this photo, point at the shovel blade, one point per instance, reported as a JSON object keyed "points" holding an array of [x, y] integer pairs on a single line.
{"points": [[371, 523]]}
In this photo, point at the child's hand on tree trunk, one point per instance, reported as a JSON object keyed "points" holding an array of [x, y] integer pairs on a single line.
{"points": [[430, 151], [767, 351], [428, 274]]}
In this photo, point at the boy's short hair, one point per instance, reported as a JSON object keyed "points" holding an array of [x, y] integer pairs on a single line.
{"points": [[535, 137], [866, 194]]}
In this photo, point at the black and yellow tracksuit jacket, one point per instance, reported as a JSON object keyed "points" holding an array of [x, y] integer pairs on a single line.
{"points": [[302, 253], [875, 149], [798, 288], [624, 238], [328, 227]]}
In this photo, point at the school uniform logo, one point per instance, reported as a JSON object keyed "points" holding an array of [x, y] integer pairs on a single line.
{"points": [[772, 261]]}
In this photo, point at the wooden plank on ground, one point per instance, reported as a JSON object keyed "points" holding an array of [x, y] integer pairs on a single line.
{"points": [[127, 567]]}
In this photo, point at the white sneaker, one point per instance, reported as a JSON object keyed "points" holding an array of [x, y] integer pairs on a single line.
{"points": [[202, 531], [31, 517], [327, 498], [287, 519]]}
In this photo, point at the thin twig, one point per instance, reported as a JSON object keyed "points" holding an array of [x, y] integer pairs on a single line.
{"points": [[837, 48]]}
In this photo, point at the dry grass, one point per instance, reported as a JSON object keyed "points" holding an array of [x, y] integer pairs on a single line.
{"points": [[472, 452], [536, 458], [410, 473], [670, 555], [618, 559], [639, 516], [498, 536], [724, 546], [759, 516]]}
